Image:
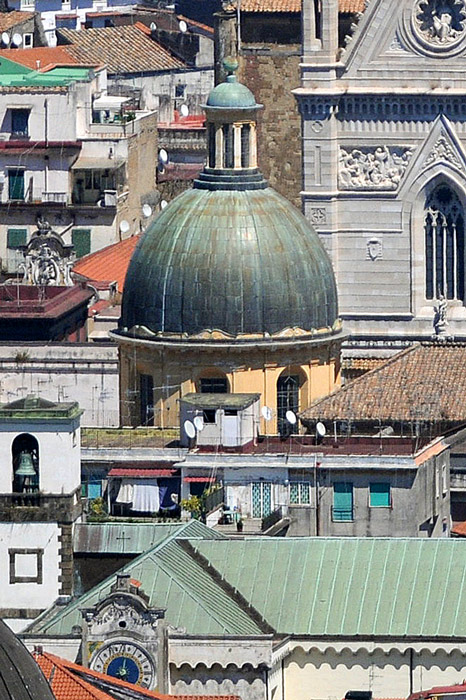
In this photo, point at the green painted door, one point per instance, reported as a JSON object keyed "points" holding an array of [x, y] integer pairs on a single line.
{"points": [[342, 501], [16, 184]]}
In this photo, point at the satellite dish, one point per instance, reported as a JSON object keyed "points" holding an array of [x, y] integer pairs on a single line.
{"points": [[199, 423], [184, 110], [152, 26], [124, 226], [163, 203], [321, 430], [189, 429], [291, 417], [183, 26], [146, 210], [163, 156], [5, 38], [17, 39], [266, 412]]}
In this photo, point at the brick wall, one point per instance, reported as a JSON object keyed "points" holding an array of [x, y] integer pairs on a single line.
{"points": [[271, 75]]}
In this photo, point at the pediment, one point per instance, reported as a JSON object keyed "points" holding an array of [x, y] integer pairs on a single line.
{"points": [[442, 148], [410, 35]]}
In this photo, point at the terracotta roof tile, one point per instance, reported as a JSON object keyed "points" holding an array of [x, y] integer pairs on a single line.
{"points": [[345, 6], [108, 264], [141, 52], [48, 56], [425, 382], [69, 681], [459, 529], [13, 18]]}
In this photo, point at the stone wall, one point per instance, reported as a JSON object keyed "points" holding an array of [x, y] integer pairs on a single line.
{"points": [[272, 72]]}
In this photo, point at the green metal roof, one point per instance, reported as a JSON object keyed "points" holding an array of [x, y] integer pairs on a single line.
{"points": [[129, 538], [15, 75], [349, 586], [172, 579], [386, 587], [234, 401]]}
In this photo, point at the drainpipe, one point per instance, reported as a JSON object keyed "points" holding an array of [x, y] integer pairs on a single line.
{"points": [[411, 670]]}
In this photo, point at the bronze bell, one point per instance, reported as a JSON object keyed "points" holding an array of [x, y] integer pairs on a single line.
{"points": [[26, 465]]}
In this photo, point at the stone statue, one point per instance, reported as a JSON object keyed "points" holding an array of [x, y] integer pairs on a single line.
{"points": [[440, 317]]}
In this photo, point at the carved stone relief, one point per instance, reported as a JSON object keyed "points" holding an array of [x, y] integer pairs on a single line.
{"points": [[443, 150], [374, 249], [439, 24], [373, 168], [47, 260], [318, 215]]}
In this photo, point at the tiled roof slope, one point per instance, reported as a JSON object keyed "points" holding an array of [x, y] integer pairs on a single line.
{"points": [[125, 49], [13, 18], [69, 681], [345, 6], [425, 382], [383, 587], [48, 57], [459, 529], [108, 264]]}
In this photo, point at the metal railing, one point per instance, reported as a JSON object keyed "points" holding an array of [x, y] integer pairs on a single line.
{"points": [[214, 499], [55, 197], [274, 517]]}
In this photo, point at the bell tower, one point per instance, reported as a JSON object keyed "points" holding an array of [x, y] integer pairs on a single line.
{"points": [[40, 501]]}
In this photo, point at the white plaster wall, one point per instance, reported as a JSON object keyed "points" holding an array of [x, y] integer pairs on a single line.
{"points": [[86, 373], [61, 112], [329, 675], [30, 536], [64, 648], [59, 454]]}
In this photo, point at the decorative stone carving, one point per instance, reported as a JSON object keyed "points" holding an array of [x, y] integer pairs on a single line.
{"points": [[374, 168], [318, 215], [443, 150], [374, 249], [439, 23], [440, 320], [47, 260], [317, 126]]}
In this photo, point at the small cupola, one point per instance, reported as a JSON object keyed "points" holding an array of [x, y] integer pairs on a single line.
{"points": [[231, 111]]}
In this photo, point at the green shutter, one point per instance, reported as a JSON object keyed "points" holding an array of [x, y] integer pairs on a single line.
{"points": [[379, 495], [16, 184], [16, 237], [81, 240], [342, 501]]}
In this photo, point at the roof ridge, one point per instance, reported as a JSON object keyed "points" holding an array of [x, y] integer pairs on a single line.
{"points": [[232, 592], [363, 377]]}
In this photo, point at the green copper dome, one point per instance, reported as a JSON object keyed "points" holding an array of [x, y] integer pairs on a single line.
{"points": [[232, 94], [242, 262]]}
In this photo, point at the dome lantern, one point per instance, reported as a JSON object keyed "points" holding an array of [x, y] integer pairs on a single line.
{"points": [[231, 124]]}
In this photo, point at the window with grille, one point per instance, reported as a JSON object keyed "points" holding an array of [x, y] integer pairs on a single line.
{"points": [[245, 136], [444, 245], [261, 499], [287, 400], [300, 493], [146, 394]]}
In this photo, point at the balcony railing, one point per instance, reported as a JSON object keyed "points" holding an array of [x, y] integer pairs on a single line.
{"points": [[26, 500], [214, 499], [55, 197]]}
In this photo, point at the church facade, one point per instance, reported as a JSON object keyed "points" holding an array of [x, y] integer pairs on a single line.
{"points": [[384, 137]]}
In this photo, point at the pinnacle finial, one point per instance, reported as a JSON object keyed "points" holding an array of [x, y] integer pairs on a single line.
{"points": [[230, 65]]}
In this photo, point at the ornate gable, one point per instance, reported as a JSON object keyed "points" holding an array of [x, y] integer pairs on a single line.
{"points": [[420, 39]]}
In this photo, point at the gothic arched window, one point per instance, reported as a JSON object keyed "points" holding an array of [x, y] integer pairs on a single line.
{"points": [[444, 241]]}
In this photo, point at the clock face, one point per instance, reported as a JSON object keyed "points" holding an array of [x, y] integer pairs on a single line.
{"points": [[126, 661]]}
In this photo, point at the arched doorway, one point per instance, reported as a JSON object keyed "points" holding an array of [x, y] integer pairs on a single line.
{"points": [[25, 459], [444, 244]]}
